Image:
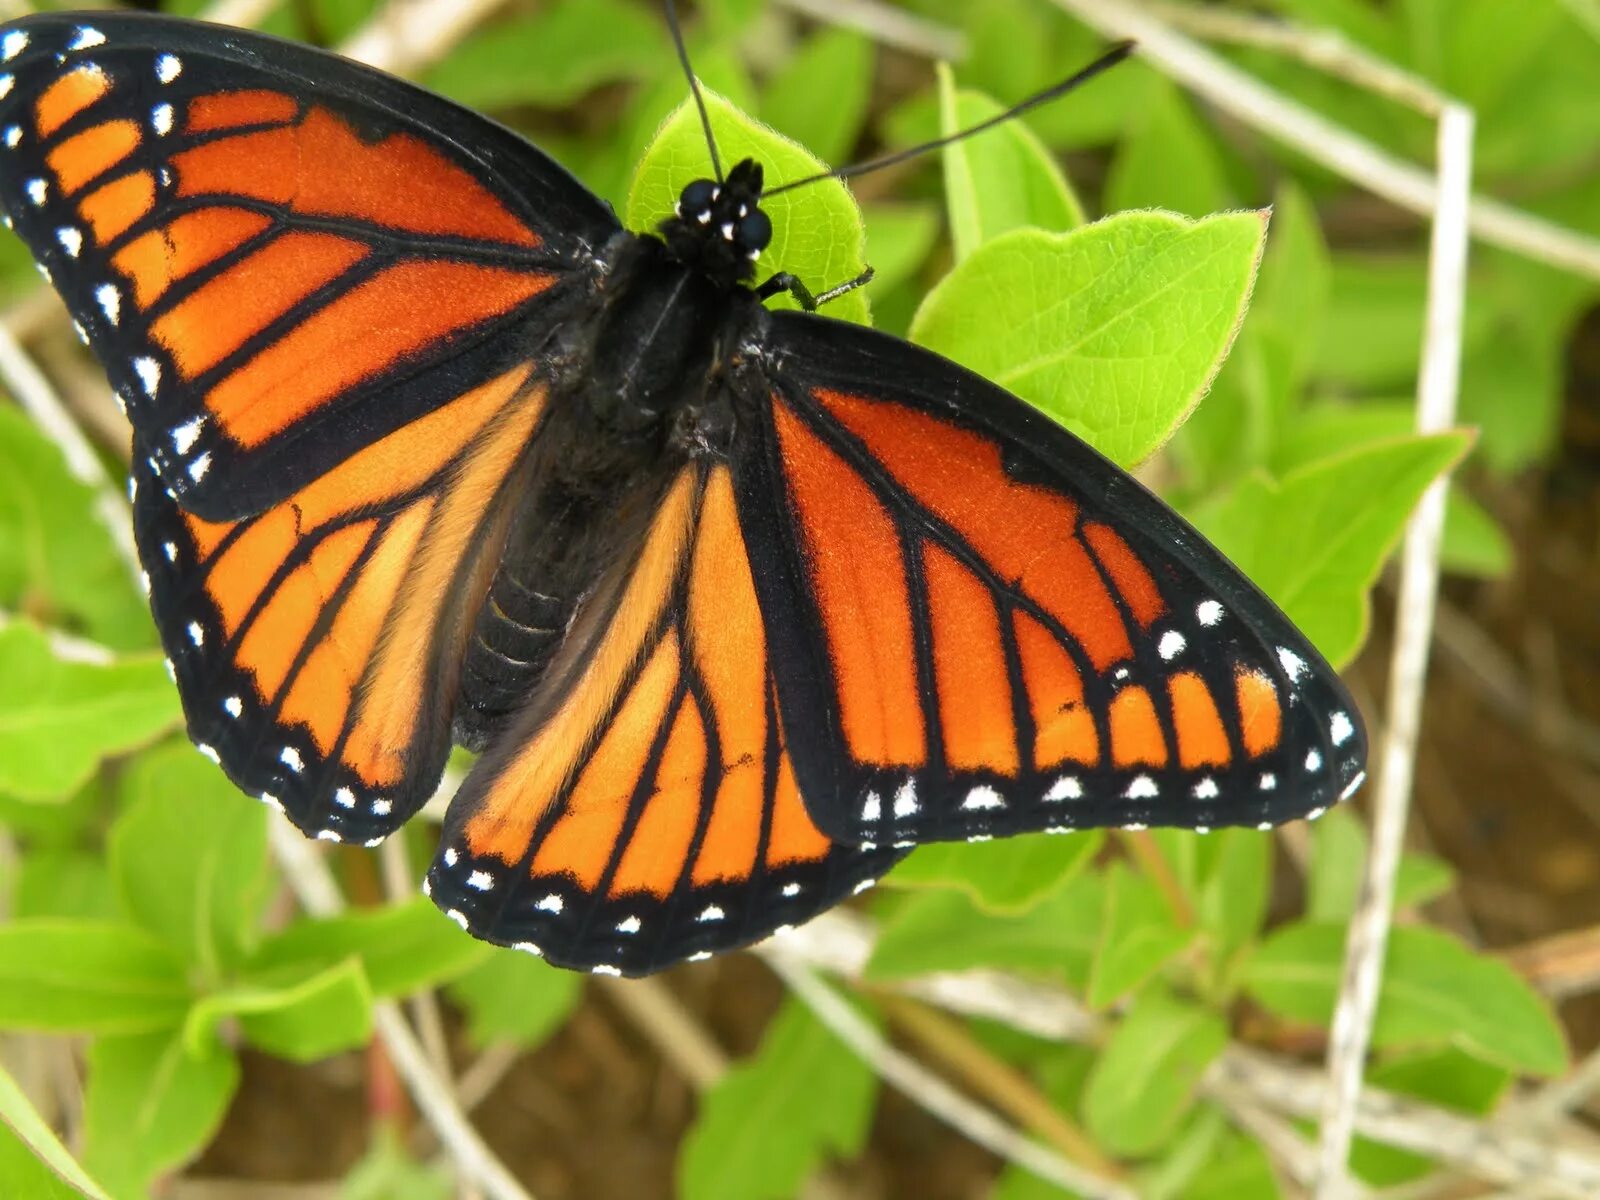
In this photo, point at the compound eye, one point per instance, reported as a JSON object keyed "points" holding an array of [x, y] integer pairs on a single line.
{"points": [[697, 196], [755, 230]]}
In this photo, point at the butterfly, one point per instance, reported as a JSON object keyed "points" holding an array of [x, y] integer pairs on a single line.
{"points": [[738, 604]]}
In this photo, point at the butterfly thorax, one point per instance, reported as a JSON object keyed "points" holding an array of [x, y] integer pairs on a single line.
{"points": [[718, 229]]}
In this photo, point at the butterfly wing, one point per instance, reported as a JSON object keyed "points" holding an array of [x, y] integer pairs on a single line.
{"points": [[645, 810], [981, 626], [279, 255], [317, 645]]}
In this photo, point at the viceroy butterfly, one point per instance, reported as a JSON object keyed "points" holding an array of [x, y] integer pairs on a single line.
{"points": [[739, 604]]}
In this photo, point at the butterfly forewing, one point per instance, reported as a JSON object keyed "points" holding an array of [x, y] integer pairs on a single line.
{"points": [[276, 253], [990, 629]]}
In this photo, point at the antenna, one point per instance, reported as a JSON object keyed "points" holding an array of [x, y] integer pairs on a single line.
{"points": [[1109, 59], [694, 86]]}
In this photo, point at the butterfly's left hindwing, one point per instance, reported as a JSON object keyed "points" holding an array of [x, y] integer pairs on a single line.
{"points": [[278, 254], [982, 627], [317, 645]]}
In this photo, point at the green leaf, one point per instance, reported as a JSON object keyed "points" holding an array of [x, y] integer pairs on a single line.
{"points": [[389, 1172], [1003, 179], [1114, 329], [1062, 1072], [403, 948], [1168, 160], [1474, 542], [942, 930], [1004, 877], [151, 1106], [87, 977], [57, 560], [64, 883], [554, 56], [33, 1162], [1233, 899], [817, 231], [899, 239], [320, 1016], [511, 996], [836, 60], [1435, 991], [82, 713], [1338, 866], [1448, 1078], [773, 1119], [189, 855], [1239, 1169], [1245, 414], [1144, 1083], [1315, 541], [1138, 936]]}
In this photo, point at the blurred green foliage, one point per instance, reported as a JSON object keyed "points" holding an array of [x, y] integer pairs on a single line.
{"points": [[140, 890]]}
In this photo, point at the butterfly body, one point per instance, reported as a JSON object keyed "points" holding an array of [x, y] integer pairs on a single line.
{"points": [[739, 605]]}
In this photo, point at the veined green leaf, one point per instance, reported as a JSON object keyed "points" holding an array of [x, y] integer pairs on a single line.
{"points": [[33, 1162], [88, 977]]}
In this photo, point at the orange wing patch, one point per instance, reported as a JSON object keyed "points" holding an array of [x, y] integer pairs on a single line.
{"points": [[333, 610], [657, 796]]}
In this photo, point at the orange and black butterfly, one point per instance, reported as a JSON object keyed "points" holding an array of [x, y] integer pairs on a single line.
{"points": [[739, 604]]}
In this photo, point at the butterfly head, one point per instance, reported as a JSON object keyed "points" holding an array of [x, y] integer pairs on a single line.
{"points": [[719, 228]]}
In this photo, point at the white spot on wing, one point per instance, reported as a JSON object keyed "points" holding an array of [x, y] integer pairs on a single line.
{"points": [[271, 801], [528, 948], [1269, 781], [480, 881], [1065, 788], [149, 372], [905, 800], [983, 799], [1313, 759], [185, 435], [711, 913], [344, 798], [13, 136], [233, 706], [1142, 788], [110, 301], [1315, 813], [290, 757], [382, 808], [209, 751], [551, 904], [629, 925], [1265, 827], [87, 38], [71, 240], [791, 889], [1340, 728], [1293, 665], [1208, 612], [328, 835], [865, 885], [170, 549], [13, 44], [872, 807], [197, 635], [605, 969], [459, 917], [168, 68], [1350, 788], [6, 84], [1206, 789], [161, 119], [1171, 644], [199, 467], [37, 190]]}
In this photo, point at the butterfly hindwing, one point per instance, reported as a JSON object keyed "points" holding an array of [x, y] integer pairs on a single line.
{"points": [[991, 629], [277, 254], [648, 812], [317, 645]]}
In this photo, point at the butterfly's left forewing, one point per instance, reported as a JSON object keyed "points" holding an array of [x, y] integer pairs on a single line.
{"points": [[982, 627], [277, 254]]}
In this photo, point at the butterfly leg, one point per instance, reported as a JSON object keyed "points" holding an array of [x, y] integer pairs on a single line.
{"points": [[785, 282]]}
